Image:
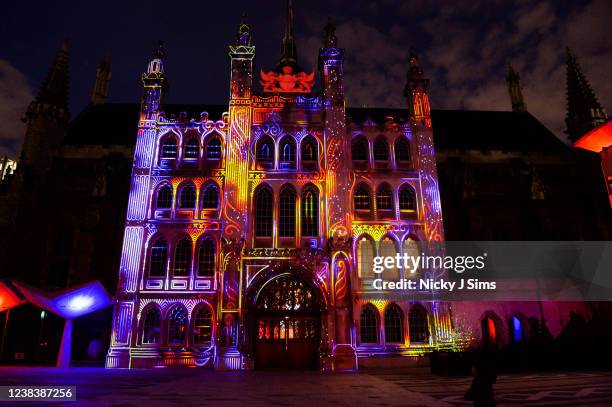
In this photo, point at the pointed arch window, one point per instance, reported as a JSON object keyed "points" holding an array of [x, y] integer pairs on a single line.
{"points": [[365, 257], [310, 211], [516, 327], [164, 197], [206, 257], [417, 324], [177, 326], [393, 325], [412, 250], [359, 149], [368, 325], [182, 258], [151, 326], [388, 248], [402, 150], [362, 198], [384, 198], [169, 148], [263, 212], [192, 149], [489, 332], [309, 153], [287, 153], [286, 211], [407, 201], [159, 258], [210, 196], [202, 326], [381, 150], [264, 154], [187, 197], [213, 148]]}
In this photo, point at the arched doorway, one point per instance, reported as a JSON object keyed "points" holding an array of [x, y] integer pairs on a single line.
{"points": [[287, 325]]}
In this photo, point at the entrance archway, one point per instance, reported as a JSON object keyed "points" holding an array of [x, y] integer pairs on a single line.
{"points": [[287, 325]]}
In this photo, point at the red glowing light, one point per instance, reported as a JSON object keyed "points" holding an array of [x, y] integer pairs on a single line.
{"points": [[597, 139], [8, 298]]}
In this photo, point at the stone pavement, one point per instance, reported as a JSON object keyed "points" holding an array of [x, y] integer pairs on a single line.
{"points": [[409, 387]]}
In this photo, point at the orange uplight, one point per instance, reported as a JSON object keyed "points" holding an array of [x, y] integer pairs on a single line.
{"points": [[597, 139], [8, 299]]}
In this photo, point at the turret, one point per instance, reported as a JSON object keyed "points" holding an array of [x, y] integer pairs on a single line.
{"points": [[154, 84], [514, 88], [288, 49], [416, 92], [103, 77]]}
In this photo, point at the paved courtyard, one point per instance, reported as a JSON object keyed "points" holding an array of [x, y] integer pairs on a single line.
{"points": [[411, 387]]}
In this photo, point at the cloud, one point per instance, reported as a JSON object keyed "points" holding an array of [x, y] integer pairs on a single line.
{"points": [[15, 95]]}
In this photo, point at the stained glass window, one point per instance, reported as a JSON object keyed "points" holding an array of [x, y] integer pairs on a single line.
{"points": [[192, 149], [182, 258], [187, 197], [406, 197], [384, 198], [402, 150], [286, 294], [361, 197], [393, 325], [417, 324], [206, 257], [177, 326], [381, 150], [213, 148], [159, 258], [368, 325], [287, 211], [310, 211], [169, 148], [164, 197], [263, 212], [202, 326], [360, 149], [151, 325], [210, 196]]}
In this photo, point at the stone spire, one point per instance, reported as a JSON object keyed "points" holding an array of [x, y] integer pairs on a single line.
{"points": [[417, 86], [103, 77], [53, 93], [584, 112], [288, 48], [514, 88]]}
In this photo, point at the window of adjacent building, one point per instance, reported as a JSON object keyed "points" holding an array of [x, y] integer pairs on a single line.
{"points": [[310, 211], [287, 153], [151, 326], [169, 148], [417, 324], [263, 212], [206, 258], [164, 197], [210, 196], [381, 150], [177, 326], [187, 198], [384, 198], [159, 258], [192, 149], [359, 149], [286, 211], [393, 325], [368, 326], [402, 150], [213, 148], [182, 258], [361, 198], [202, 327], [407, 201]]}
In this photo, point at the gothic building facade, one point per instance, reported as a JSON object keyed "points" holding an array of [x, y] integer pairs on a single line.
{"points": [[251, 227]]}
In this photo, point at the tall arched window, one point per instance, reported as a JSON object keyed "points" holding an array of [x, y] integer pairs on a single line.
{"points": [[310, 211], [402, 150], [264, 155], [206, 257], [213, 148], [365, 257], [210, 196], [192, 149], [169, 148], [359, 149], [368, 325], [381, 150], [393, 324], [151, 325], [202, 326], [263, 212], [182, 258], [286, 211], [411, 248], [384, 198], [516, 327], [309, 153], [187, 197], [177, 326], [164, 197], [489, 332], [159, 258], [287, 153], [417, 324], [362, 198], [407, 201], [388, 248]]}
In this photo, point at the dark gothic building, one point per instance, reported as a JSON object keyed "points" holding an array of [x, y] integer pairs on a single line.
{"points": [[239, 235]]}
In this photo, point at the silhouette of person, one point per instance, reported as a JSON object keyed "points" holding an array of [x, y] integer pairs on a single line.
{"points": [[480, 392]]}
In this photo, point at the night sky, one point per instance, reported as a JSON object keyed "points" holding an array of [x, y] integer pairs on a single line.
{"points": [[464, 47]]}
